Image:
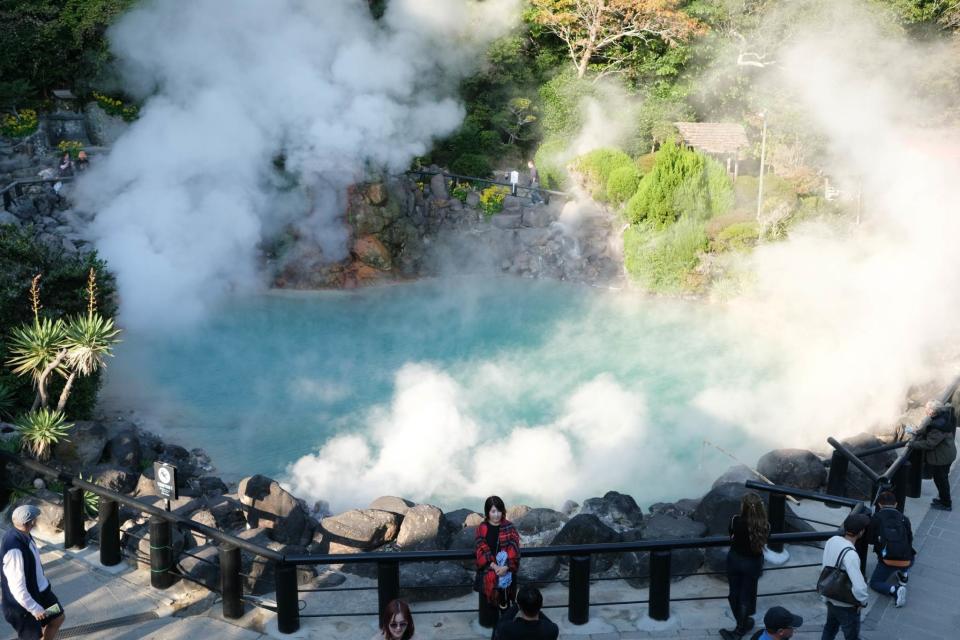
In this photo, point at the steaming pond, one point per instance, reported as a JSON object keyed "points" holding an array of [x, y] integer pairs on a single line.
{"points": [[448, 390]]}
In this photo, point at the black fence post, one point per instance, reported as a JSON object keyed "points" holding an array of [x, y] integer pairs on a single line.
{"points": [[388, 582], [776, 515], [659, 606], [231, 586], [161, 553], [578, 601], [900, 479], [74, 535], [108, 516], [837, 478], [288, 605], [915, 475]]}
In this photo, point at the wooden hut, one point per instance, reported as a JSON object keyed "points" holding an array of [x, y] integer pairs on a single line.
{"points": [[725, 141]]}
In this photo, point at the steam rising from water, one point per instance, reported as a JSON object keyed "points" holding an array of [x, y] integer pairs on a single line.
{"points": [[185, 196]]}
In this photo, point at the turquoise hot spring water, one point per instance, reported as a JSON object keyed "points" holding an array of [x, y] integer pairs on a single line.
{"points": [[449, 390]]}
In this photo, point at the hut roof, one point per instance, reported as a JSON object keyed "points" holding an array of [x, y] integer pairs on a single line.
{"points": [[713, 137]]}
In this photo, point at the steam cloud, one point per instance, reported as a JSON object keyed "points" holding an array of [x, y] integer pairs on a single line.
{"points": [[186, 195]]}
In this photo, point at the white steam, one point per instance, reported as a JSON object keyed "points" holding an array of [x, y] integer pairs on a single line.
{"points": [[187, 194], [859, 313]]}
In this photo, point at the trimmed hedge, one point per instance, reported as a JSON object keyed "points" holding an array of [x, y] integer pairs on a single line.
{"points": [[596, 167], [623, 184]]}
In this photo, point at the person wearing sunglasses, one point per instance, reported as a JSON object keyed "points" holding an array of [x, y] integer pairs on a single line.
{"points": [[396, 623]]}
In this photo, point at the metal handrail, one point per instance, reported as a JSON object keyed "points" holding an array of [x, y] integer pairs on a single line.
{"points": [[825, 498], [456, 176]]}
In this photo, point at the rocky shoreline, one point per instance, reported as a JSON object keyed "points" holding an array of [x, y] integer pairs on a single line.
{"points": [[118, 454]]}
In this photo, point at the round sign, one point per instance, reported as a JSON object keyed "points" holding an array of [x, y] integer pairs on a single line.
{"points": [[163, 475]]}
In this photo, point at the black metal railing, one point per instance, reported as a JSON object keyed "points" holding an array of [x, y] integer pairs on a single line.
{"points": [[16, 188], [515, 188]]}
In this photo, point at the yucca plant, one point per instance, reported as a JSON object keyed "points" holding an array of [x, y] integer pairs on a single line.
{"points": [[91, 501], [87, 340], [36, 349], [40, 430]]}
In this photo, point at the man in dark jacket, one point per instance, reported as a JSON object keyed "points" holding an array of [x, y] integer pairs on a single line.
{"points": [[526, 622], [937, 440], [891, 535], [29, 604]]}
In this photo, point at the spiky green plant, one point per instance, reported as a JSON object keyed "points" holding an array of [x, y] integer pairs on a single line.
{"points": [[41, 429], [91, 501]]}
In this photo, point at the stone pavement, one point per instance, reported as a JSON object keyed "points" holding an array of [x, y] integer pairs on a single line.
{"points": [[93, 594]]}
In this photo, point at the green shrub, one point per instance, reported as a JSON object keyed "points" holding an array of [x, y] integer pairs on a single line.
{"points": [[622, 184], [472, 164], [461, 190], [737, 237], [645, 163], [681, 182], [117, 107], [19, 125], [561, 97], [491, 199], [550, 165], [596, 167], [662, 260], [41, 429]]}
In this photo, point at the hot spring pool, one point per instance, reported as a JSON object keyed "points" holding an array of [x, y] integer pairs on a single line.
{"points": [[448, 391]]}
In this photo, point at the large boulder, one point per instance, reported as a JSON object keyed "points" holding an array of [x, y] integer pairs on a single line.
{"points": [[617, 509], [268, 505], [83, 446], [225, 513], [682, 507], [462, 519], [260, 573], [586, 528], [723, 502], [635, 567], [434, 580], [121, 480], [362, 528], [794, 468], [422, 528], [203, 565], [858, 485], [392, 504], [538, 520], [124, 450], [737, 473], [438, 187], [370, 251]]}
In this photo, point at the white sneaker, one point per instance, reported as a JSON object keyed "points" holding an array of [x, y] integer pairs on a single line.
{"points": [[901, 596]]}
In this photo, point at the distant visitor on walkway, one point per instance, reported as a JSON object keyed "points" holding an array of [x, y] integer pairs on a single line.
{"points": [[29, 604], [748, 534], [841, 584], [396, 622], [937, 439], [778, 624], [891, 535], [534, 183], [525, 620], [497, 554]]}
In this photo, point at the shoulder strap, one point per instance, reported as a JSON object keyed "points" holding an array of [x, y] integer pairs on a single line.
{"points": [[839, 564]]}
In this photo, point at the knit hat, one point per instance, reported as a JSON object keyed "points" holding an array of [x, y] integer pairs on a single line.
{"points": [[24, 514]]}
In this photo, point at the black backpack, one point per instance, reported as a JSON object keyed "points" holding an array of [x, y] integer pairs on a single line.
{"points": [[893, 535]]}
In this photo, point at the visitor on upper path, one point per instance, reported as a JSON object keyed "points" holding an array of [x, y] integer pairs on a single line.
{"points": [[891, 535], [778, 624], [525, 620], [534, 183], [83, 162], [29, 604], [748, 534], [840, 552], [396, 622], [66, 165], [937, 439], [497, 555]]}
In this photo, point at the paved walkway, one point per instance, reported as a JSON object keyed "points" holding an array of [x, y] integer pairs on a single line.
{"points": [[92, 594]]}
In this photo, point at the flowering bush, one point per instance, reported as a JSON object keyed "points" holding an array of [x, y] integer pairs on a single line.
{"points": [[19, 124], [461, 190], [491, 199], [73, 147], [116, 107]]}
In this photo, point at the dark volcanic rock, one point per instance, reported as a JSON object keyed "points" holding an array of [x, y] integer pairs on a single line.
{"points": [[635, 567], [586, 528], [617, 508], [794, 468]]}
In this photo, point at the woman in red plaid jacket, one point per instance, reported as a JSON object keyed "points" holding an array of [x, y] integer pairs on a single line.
{"points": [[494, 535]]}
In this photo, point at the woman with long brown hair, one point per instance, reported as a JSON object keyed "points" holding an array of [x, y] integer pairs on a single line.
{"points": [[396, 623], [748, 534]]}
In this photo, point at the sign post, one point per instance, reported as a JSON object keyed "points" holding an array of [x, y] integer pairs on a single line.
{"points": [[165, 479]]}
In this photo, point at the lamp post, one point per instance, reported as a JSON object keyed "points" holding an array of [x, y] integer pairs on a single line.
{"points": [[763, 158]]}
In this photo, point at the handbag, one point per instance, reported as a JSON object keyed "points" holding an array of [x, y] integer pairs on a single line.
{"points": [[834, 583]]}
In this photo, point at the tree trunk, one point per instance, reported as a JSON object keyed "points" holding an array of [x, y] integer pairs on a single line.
{"points": [[584, 62], [66, 391], [41, 398]]}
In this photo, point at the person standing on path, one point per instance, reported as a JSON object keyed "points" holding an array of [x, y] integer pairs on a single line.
{"points": [[748, 533], [843, 615], [891, 535], [29, 604], [497, 555], [534, 183], [937, 439]]}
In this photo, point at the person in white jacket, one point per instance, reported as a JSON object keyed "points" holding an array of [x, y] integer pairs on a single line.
{"points": [[842, 615]]}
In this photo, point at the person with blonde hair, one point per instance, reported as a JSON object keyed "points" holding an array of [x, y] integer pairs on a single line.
{"points": [[749, 531]]}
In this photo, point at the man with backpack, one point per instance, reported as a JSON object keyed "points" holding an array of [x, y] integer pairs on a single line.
{"points": [[892, 539]]}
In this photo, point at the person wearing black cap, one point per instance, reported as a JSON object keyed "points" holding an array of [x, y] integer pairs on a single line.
{"points": [[843, 615], [29, 604], [778, 624]]}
